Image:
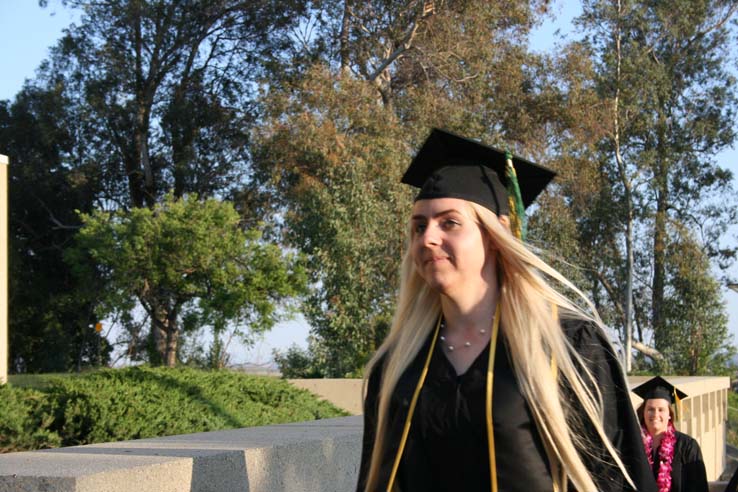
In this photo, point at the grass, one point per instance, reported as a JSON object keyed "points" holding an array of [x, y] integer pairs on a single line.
{"points": [[37, 381]]}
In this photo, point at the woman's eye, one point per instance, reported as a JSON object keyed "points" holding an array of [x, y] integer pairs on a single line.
{"points": [[449, 223], [419, 228]]}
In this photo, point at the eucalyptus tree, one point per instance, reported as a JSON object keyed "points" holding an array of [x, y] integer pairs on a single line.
{"points": [[663, 75], [695, 321], [344, 108]]}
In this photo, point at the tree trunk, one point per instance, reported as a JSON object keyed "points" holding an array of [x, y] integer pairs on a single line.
{"points": [[140, 175], [659, 251], [158, 334], [171, 349], [623, 171], [172, 337], [344, 37], [629, 289]]}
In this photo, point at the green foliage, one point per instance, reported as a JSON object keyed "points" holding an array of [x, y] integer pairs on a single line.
{"points": [[137, 98], [37, 381], [732, 437], [139, 402], [162, 90], [335, 140], [649, 100], [297, 363], [24, 424], [331, 159], [187, 259], [49, 322], [695, 338], [320, 105]]}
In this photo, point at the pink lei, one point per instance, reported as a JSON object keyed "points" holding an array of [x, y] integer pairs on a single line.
{"points": [[666, 455]]}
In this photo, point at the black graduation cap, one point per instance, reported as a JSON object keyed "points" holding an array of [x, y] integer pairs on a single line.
{"points": [[451, 166], [659, 387]]}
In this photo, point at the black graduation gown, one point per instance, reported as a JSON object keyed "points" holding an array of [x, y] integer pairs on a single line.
{"points": [[687, 468], [733, 484], [446, 449]]}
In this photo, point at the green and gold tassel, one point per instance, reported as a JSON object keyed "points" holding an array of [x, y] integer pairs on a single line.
{"points": [[517, 210]]}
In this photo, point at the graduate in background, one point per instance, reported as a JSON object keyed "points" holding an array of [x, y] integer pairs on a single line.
{"points": [[491, 379], [675, 458]]}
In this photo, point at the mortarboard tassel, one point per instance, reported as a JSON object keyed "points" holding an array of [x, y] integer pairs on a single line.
{"points": [[677, 404], [517, 210]]}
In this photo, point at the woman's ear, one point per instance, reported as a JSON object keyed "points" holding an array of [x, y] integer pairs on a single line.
{"points": [[505, 221]]}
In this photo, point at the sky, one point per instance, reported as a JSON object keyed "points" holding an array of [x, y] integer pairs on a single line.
{"points": [[28, 31]]}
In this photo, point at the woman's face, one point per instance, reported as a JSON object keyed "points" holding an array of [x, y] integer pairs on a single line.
{"points": [[656, 415], [448, 247]]}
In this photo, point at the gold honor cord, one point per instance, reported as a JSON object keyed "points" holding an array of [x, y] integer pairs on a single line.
{"points": [[416, 394], [488, 402], [488, 413], [411, 410], [555, 315]]}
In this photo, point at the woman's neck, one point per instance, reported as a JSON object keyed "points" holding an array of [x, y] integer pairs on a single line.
{"points": [[470, 313], [657, 440]]}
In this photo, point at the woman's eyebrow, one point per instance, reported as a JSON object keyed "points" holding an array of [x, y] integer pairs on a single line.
{"points": [[444, 212]]}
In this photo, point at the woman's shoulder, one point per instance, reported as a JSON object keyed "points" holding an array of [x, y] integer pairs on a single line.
{"points": [[373, 373], [688, 447], [686, 439], [582, 332]]}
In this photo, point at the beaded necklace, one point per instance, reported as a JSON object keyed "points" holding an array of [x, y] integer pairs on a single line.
{"points": [[450, 347]]}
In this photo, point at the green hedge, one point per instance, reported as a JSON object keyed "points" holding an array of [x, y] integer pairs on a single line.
{"points": [[139, 402], [23, 422]]}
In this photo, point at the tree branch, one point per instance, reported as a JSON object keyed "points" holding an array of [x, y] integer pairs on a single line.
{"points": [[406, 42], [649, 351]]}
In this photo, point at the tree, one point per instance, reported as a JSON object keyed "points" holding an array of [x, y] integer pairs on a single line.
{"points": [[696, 339], [151, 96], [333, 157], [50, 322], [165, 89], [661, 74], [187, 263], [341, 117]]}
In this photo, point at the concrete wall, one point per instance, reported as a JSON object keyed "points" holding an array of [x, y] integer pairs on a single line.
{"points": [[320, 456], [343, 393]]}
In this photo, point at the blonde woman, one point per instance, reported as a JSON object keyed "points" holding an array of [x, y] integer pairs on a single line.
{"points": [[490, 379]]}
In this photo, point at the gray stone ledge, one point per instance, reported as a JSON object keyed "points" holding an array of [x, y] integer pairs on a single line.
{"points": [[321, 455]]}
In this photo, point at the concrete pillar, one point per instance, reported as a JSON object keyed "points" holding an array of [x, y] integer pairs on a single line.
{"points": [[3, 269]]}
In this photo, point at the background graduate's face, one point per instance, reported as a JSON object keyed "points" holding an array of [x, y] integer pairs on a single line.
{"points": [[448, 247], [656, 415]]}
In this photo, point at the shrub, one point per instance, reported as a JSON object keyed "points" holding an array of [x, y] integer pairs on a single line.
{"points": [[23, 424], [140, 402]]}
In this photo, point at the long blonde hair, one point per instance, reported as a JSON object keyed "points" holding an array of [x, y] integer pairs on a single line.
{"points": [[534, 337]]}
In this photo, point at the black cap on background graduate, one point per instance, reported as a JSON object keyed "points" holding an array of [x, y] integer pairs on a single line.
{"points": [[451, 166], [659, 387]]}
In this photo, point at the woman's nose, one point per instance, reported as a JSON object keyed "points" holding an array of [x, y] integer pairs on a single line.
{"points": [[431, 236]]}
